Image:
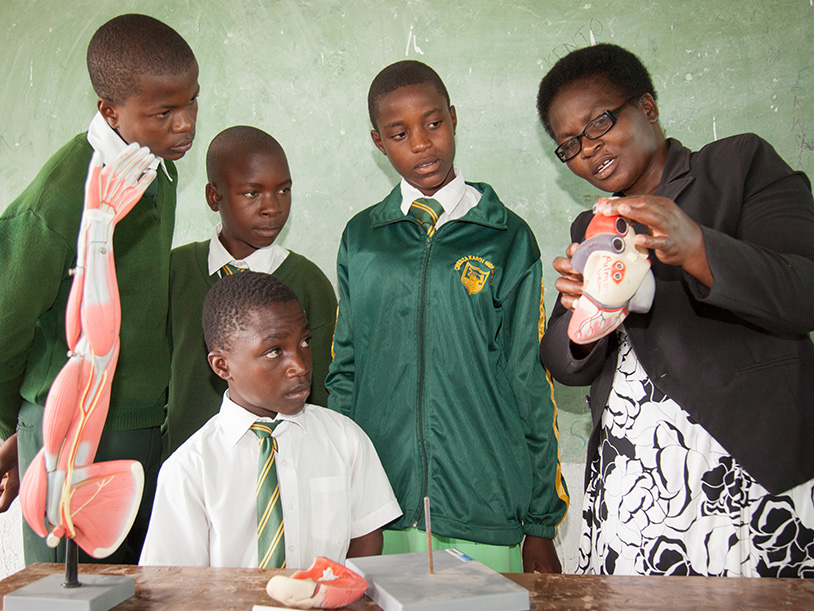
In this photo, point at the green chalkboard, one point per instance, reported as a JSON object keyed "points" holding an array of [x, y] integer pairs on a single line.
{"points": [[300, 69]]}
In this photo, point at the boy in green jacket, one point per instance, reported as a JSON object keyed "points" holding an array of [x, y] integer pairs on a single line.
{"points": [[146, 78], [250, 187], [442, 373]]}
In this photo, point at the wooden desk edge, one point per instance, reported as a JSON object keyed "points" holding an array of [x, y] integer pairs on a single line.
{"points": [[182, 588]]}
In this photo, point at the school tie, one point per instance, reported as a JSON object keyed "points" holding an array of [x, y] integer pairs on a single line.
{"points": [[270, 532], [229, 269], [426, 212]]}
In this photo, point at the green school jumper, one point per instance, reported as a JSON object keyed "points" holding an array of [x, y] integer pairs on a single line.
{"points": [[195, 391], [38, 234]]}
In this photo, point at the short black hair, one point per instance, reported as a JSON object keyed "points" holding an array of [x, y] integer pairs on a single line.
{"points": [[129, 46], [237, 138], [397, 75], [231, 301], [620, 67]]}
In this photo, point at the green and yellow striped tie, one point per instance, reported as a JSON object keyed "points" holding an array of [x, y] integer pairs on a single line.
{"points": [[426, 212], [229, 269], [270, 531]]}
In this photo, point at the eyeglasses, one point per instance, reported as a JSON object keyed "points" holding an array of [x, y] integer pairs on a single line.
{"points": [[598, 127]]}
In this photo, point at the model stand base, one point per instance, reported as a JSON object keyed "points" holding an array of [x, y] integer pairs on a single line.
{"points": [[401, 582], [97, 593]]}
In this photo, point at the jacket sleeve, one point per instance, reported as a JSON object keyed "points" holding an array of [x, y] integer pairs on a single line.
{"points": [[523, 321], [34, 261], [340, 380], [764, 271]]}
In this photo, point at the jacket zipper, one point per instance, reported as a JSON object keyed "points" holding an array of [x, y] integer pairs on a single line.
{"points": [[422, 303]]}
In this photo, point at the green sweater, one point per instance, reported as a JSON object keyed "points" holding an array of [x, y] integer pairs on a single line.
{"points": [[195, 391], [436, 358], [38, 233]]}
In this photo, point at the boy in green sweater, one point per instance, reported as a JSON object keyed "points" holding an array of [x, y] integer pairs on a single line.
{"points": [[443, 373], [250, 187], [146, 78]]}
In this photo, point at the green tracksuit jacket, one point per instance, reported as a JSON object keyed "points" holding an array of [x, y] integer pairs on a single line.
{"points": [[436, 357]]}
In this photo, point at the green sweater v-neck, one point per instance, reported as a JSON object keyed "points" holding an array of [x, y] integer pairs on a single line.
{"points": [[195, 391]]}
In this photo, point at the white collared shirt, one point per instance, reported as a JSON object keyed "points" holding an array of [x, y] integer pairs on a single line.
{"points": [[332, 486], [266, 259], [109, 144], [457, 198]]}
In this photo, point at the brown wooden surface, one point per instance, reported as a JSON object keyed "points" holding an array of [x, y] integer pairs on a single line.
{"points": [[187, 588]]}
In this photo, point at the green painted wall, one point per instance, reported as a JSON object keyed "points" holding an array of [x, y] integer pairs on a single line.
{"points": [[301, 69]]}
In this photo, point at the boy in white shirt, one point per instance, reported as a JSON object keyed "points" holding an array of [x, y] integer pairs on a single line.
{"points": [[334, 493]]}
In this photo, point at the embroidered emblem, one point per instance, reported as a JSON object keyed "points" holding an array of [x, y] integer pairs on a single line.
{"points": [[474, 277]]}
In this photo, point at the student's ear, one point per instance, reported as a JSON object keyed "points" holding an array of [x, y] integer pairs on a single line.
{"points": [[454, 118], [649, 107], [377, 140], [109, 111], [219, 364], [212, 196]]}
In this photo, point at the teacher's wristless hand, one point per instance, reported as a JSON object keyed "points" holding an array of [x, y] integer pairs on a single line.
{"points": [[570, 282]]}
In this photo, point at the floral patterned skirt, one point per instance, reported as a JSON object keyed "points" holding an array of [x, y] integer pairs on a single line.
{"points": [[665, 498]]}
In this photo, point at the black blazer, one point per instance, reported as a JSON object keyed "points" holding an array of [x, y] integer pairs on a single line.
{"points": [[738, 357]]}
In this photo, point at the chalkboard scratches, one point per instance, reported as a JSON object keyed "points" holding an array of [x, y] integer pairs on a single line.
{"points": [[798, 126], [13, 145], [581, 425], [584, 35]]}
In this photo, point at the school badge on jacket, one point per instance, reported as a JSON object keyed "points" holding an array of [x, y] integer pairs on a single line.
{"points": [[476, 273]]}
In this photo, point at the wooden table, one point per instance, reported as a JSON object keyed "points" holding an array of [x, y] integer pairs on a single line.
{"points": [[187, 588]]}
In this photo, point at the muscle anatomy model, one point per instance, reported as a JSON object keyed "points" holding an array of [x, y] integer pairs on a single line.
{"points": [[63, 492]]}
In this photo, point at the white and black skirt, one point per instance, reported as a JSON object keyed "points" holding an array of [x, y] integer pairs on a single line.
{"points": [[665, 498]]}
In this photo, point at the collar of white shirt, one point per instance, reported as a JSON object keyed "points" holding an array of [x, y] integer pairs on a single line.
{"points": [[235, 420], [266, 259], [457, 198], [109, 144]]}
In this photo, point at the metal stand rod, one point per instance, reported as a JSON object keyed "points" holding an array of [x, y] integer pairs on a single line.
{"points": [[428, 528], [71, 565]]}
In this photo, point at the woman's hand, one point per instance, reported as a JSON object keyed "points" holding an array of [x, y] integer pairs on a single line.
{"points": [[672, 235], [569, 284]]}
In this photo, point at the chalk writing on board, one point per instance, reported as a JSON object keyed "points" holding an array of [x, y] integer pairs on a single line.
{"points": [[801, 76], [416, 48], [15, 144], [578, 426], [584, 35]]}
